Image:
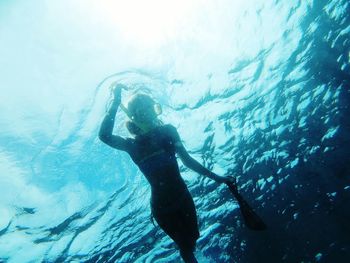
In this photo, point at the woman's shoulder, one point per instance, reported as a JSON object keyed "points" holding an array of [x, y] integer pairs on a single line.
{"points": [[169, 127], [171, 130]]}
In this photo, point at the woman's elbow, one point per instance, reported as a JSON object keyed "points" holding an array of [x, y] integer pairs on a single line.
{"points": [[103, 137], [187, 162]]}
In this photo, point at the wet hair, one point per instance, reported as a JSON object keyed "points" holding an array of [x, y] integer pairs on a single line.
{"points": [[139, 101]]}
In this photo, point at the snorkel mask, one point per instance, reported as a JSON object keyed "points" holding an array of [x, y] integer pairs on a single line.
{"points": [[133, 125], [157, 110]]}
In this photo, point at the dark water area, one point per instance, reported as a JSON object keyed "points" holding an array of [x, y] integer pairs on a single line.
{"points": [[303, 149], [306, 152]]}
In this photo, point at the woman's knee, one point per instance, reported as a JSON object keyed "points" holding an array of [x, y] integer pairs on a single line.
{"points": [[188, 256], [187, 246]]}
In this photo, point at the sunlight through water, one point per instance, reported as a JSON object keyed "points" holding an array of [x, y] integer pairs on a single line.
{"points": [[256, 89]]}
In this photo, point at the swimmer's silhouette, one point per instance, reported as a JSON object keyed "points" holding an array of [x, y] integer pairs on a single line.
{"points": [[153, 150]]}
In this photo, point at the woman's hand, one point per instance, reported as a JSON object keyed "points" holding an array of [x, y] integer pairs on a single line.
{"points": [[224, 179], [116, 90]]}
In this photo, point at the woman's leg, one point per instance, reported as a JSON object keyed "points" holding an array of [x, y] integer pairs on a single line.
{"points": [[174, 225], [181, 225], [188, 256]]}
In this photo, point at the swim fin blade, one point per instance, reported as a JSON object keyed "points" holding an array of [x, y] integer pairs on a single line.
{"points": [[251, 219]]}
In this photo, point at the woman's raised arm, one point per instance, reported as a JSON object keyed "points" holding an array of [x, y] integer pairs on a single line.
{"points": [[106, 129]]}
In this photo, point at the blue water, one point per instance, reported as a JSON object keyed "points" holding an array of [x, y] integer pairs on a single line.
{"points": [[259, 90]]}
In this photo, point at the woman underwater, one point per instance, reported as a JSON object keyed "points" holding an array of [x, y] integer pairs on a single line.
{"points": [[153, 150]]}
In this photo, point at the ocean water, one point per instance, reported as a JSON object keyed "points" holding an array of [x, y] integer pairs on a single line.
{"points": [[257, 89]]}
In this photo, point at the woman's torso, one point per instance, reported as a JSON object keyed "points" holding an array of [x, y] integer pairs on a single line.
{"points": [[154, 154]]}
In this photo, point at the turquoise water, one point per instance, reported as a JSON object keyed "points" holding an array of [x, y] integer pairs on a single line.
{"points": [[256, 89]]}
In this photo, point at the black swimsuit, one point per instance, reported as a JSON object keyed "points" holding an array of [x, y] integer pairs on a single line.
{"points": [[171, 202]]}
